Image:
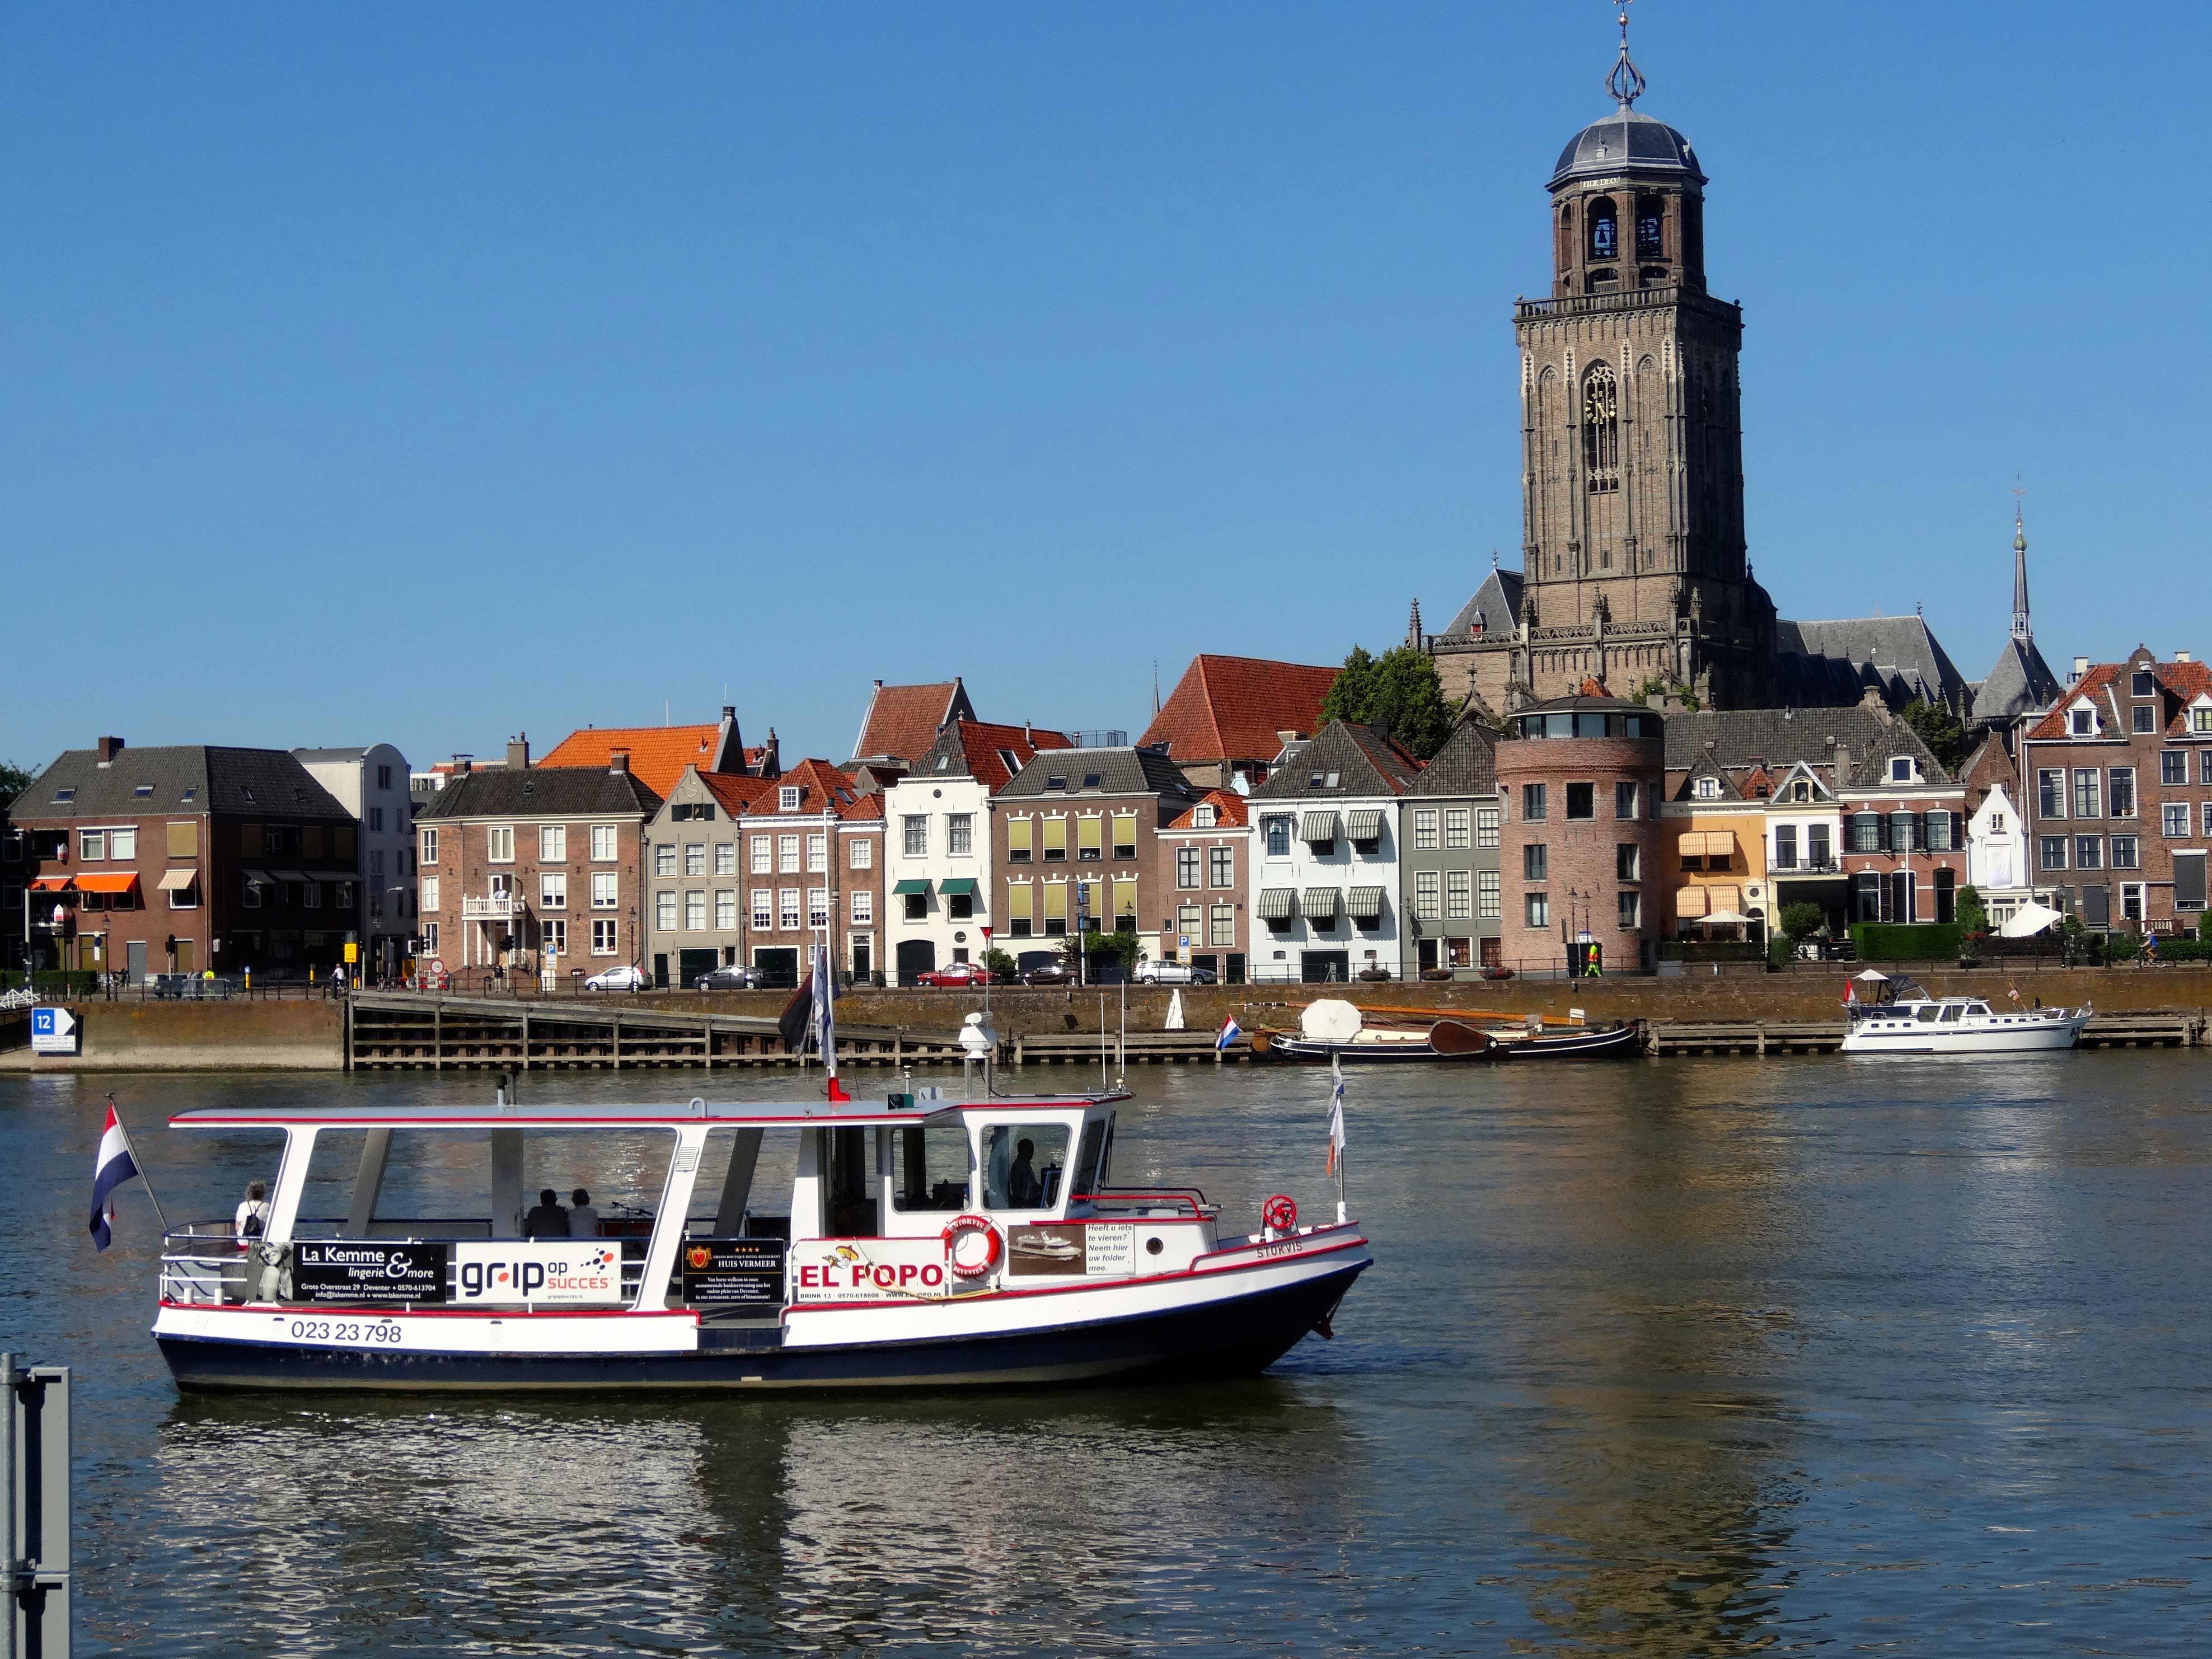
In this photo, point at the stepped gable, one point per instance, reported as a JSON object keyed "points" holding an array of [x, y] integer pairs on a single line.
{"points": [[1232, 708]]}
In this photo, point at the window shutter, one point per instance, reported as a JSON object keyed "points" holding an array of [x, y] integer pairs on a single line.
{"points": [[1125, 896], [1018, 900], [2188, 881], [1055, 835], [1017, 834], [1089, 833], [1055, 900]]}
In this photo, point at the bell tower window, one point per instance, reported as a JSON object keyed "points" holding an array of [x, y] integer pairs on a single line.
{"points": [[1601, 430], [1650, 228], [1604, 230]]}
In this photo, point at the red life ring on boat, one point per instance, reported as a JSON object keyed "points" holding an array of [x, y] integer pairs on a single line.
{"points": [[1280, 1212], [993, 1243]]}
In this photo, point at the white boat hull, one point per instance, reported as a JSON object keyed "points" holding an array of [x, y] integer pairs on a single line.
{"points": [[2005, 1034]]}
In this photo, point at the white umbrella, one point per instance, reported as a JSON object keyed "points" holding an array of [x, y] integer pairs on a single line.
{"points": [[2031, 918], [1725, 917]]}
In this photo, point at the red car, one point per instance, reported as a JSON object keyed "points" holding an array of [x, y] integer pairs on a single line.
{"points": [[954, 973]]}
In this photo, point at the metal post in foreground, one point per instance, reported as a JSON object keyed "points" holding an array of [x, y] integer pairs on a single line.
{"points": [[34, 1517]]}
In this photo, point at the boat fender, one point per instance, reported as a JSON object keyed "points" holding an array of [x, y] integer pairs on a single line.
{"points": [[1279, 1214], [993, 1243]]}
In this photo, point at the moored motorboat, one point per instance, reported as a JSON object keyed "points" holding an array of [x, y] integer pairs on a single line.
{"points": [[1923, 1024], [926, 1242]]}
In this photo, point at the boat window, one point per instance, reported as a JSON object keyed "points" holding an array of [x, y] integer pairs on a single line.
{"points": [[435, 1184], [850, 1186], [1979, 1010], [1925, 1013], [1951, 1013], [929, 1167], [1022, 1164], [1090, 1160]]}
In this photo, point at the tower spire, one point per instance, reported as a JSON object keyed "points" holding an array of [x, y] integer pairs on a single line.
{"points": [[2021, 629], [1625, 83]]}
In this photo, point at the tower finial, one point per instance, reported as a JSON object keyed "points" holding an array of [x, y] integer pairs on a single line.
{"points": [[2022, 629], [1625, 83]]}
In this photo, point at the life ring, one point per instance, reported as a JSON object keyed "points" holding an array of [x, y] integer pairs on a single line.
{"points": [[993, 1243], [1279, 1214]]}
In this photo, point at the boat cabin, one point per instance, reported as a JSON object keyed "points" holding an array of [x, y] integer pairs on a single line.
{"points": [[733, 1211]]}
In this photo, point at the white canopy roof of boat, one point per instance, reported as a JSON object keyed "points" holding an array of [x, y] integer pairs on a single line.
{"points": [[1874, 975], [614, 1115], [2031, 918]]}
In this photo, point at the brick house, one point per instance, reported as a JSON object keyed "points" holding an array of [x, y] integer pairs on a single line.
{"points": [[1076, 833], [2118, 780], [1580, 855], [1327, 844], [1207, 853], [1846, 808], [938, 871], [811, 859], [178, 859], [1229, 717], [1448, 889], [524, 867]]}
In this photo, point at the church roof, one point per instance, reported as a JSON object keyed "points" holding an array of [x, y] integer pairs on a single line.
{"points": [[1829, 663], [1498, 599], [2020, 683], [1628, 141]]}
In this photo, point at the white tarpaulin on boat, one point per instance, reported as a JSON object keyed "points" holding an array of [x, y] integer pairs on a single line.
{"points": [[1329, 1020], [2030, 918]]}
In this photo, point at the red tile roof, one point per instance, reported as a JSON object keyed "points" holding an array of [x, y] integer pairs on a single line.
{"points": [[981, 740], [819, 783], [2185, 681], [1230, 708], [1229, 810], [658, 754], [903, 720], [735, 790]]}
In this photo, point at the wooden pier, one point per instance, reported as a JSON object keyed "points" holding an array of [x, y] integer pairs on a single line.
{"points": [[401, 1030], [2169, 1029]]}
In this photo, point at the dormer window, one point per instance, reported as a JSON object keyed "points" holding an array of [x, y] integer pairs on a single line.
{"points": [[1006, 759], [248, 794], [2200, 719], [63, 797], [1314, 782], [787, 799], [1800, 790], [2082, 723], [1708, 789], [1901, 768], [2145, 683], [1054, 781], [142, 791], [1201, 818], [1089, 779], [945, 763]]}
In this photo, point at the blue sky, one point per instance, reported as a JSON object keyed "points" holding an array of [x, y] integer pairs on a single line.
{"points": [[432, 374]]}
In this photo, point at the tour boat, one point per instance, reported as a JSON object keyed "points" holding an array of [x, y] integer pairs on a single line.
{"points": [[926, 1241], [1959, 1025]]}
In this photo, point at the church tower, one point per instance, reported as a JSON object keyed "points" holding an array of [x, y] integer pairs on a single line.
{"points": [[1632, 546]]}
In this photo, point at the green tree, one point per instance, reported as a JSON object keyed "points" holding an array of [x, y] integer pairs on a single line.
{"points": [[1939, 729], [1801, 921], [1399, 690], [14, 780], [1971, 916]]}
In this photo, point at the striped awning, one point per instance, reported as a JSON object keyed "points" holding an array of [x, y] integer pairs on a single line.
{"points": [[1690, 901], [1692, 845], [176, 881], [1318, 826], [1365, 824], [1320, 903], [1365, 904], [1278, 903]]}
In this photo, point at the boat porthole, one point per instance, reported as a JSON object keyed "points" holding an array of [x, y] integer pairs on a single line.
{"points": [[1153, 1246]]}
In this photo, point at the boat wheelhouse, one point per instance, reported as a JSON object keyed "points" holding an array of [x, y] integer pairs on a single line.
{"points": [[918, 1242]]}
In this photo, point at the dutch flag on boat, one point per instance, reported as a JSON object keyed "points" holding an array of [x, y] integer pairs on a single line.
{"points": [[112, 1167], [1335, 1116], [1230, 1031]]}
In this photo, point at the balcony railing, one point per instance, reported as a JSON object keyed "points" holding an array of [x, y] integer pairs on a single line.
{"points": [[1804, 867], [490, 906]]}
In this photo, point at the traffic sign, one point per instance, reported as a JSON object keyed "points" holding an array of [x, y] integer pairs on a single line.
{"points": [[53, 1030], [353, 954]]}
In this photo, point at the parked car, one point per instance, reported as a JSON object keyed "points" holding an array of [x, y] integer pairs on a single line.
{"points": [[733, 976], [628, 977], [1150, 972], [1055, 972], [954, 973]]}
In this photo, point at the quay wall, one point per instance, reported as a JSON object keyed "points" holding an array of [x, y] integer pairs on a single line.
{"points": [[308, 1035]]}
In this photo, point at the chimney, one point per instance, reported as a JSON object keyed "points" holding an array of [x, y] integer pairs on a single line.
{"points": [[2081, 667], [108, 748], [2182, 656], [518, 753], [462, 764], [1843, 766], [619, 763]]}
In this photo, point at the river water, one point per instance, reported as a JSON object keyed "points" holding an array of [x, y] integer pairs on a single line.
{"points": [[1690, 1357]]}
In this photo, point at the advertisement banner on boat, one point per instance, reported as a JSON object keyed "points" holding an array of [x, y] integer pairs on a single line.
{"points": [[734, 1273], [577, 1272], [871, 1270], [365, 1275], [1045, 1252]]}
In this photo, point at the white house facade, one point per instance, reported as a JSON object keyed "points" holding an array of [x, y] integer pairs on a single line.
{"points": [[371, 782]]}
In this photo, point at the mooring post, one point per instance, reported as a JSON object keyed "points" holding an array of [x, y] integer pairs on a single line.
{"points": [[437, 1036], [525, 1039], [617, 1031]]}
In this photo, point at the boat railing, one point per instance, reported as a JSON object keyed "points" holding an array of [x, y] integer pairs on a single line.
{"points": [[204, 1262], [1117, 1202]]}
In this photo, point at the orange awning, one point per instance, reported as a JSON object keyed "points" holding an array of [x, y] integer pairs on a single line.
{"points": [[1692, 845], [1690, 901], [50, 884], [103, 881]]}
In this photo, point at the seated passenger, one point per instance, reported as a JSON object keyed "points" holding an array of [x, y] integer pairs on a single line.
{"points": [[1023, 1189], [547, 1220], [583, 1219], [252, 1219]]}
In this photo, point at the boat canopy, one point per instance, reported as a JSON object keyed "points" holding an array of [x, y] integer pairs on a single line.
{"points": [[752, 1115]]}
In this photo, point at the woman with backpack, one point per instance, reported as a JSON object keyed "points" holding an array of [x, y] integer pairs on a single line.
{"points": [[252, 1217]]}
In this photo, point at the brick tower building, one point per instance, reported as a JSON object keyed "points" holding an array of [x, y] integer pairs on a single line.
{"points": [[1633, 567]]}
